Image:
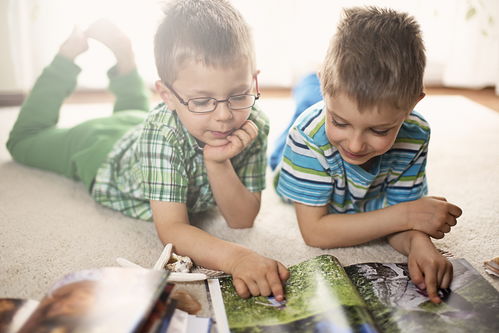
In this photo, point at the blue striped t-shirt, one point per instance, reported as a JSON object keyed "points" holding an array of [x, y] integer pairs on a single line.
{"points": [[313, 173]]}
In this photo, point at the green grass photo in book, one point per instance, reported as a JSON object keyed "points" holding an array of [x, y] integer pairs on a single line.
{"points": [[322, 296]]}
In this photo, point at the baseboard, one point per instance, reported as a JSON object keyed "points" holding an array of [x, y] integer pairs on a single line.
{"points": [[11, 99]]}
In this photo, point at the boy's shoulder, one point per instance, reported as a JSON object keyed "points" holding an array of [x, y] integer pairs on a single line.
{"points": [[162, 126], [260, 119], [162, 116], [415, 127], [311, 124]]}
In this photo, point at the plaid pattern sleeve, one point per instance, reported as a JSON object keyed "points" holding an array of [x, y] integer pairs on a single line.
{"points": [[251, 164], [161, 153], [160, 160]]}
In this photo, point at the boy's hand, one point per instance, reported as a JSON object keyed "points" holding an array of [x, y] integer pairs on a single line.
{"points": [[429, 270], [256, 275], [432, 215], [238, 141]]}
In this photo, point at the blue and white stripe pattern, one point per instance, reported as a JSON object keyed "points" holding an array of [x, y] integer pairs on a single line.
{"points": [[313, 173]]}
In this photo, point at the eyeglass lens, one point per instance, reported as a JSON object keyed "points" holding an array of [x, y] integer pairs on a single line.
{"points": [[236, 102]]}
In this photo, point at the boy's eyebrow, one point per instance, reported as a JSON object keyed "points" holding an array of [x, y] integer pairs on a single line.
{"points": [[205, 93], [377, 125]]}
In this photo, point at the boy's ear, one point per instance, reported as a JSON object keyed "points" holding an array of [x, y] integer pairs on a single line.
{"points": [[421, 96], [164, 93]]}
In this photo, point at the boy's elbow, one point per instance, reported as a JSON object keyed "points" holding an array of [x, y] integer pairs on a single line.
{"points": [[241, 224], [324, 244], [314, 240], [321, 240]]}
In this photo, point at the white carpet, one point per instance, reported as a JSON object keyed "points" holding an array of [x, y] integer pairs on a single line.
{"points": [[49, 225]]}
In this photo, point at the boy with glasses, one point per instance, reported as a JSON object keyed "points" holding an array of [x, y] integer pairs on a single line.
{"points": [[354, 162], [205, 145]]}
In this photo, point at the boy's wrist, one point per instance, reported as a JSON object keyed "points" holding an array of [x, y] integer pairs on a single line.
{"points": [[217, 165], [406, 214], [234, 257], [417, 239]]}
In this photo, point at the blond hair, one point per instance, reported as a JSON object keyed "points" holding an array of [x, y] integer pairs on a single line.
{"points": [[210, 31], [377, 57]]}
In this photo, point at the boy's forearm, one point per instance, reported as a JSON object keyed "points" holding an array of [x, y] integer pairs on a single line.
{"points": [[403, 241], [204, 249], [341, 230], [238, 205]]}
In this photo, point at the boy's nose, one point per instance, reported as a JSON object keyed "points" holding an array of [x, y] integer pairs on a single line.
{"points": [[356, 144], [222, 111]]}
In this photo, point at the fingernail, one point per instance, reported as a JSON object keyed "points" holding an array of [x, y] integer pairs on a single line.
{"points": [[421, 286]]}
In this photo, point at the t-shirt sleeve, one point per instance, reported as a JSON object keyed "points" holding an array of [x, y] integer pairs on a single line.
{"points": [[162, 166], [411, 183], [302, 177]]}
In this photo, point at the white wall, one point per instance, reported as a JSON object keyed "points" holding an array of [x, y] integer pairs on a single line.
{"points": [[8, 81], [291, 37]]}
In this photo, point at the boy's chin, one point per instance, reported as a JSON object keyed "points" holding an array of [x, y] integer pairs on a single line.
{"points": [[217, 143]]}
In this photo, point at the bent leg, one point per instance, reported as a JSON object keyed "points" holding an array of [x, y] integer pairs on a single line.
{"points": [[306, 93], [125, 81], [79, 151], [129, 89], [40, 111]]}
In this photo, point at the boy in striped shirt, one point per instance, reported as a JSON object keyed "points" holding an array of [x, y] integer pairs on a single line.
{"points": [[354, 163]]}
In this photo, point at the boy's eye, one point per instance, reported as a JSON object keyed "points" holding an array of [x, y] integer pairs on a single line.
{"points": [[238, 98], [378, 132], [201, 101], [337, 124]]}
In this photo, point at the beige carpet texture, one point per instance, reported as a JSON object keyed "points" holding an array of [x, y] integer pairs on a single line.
{"points": [[50, 226]]}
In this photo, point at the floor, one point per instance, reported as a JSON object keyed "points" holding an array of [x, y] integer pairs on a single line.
{"points": [[486, 96]]}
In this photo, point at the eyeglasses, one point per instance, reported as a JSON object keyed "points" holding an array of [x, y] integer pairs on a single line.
{"points": [[209, 104]]}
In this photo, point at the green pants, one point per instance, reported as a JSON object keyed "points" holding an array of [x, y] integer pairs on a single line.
{"points": [[79, 151]]}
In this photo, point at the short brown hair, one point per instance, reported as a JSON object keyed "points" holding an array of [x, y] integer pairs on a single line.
{"points": [[377, 56], [210, 31]]}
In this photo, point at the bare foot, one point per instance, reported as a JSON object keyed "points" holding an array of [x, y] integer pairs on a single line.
{"points": [[110, 35], [75, 45]]}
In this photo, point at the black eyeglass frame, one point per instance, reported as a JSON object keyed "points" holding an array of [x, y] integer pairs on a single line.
{"points": [[186, 103]]}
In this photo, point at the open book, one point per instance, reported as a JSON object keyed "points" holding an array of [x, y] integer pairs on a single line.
{"points": [[110, 299], [322, 296]]}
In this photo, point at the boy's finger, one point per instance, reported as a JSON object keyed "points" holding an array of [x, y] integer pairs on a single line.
{"points": [[445, 228], [447, 278], [283, 272], [451, 220], [241, 288], [440, 276], [455, 210], [253, 288], [437, 234], [236, 141], [243, 137], [251, 128], [276, 287], [431, 287], [416, 275], [263, 286]]}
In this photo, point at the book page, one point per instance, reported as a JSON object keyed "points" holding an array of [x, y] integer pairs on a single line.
{"points": [[14, 312], [397, 305], [319, 298], [111, 299]]}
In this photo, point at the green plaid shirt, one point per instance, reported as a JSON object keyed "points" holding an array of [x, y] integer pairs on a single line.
{"points": [[160, 160]]}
